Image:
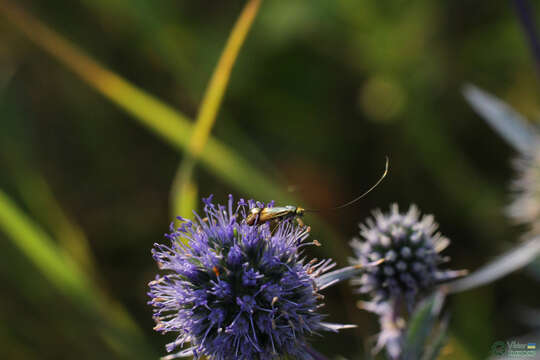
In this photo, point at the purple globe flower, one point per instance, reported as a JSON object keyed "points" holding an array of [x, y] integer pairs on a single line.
{"points": [[410, 248], [236, 291]]}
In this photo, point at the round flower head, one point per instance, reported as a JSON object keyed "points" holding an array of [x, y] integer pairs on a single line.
{"points": [[237, 291], [410, 247], [525, 208]]}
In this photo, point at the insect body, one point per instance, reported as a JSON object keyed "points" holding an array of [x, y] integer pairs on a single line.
{"points": [[273, 213]]}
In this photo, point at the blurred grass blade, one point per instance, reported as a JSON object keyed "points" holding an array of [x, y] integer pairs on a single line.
{"points": [[421, 325], [505, 264], [184, 191], [510, 125], [218, 83], [158, 117], [183, 197], [66, 276], [16, 155], [42, 251], [39, 198], [440, 337], [427, 337]]}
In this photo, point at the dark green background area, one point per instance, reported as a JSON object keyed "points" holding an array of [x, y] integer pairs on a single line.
{"points": [[321, 92]]}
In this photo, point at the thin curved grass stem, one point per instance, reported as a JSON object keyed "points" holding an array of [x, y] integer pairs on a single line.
{"points": [[184, 189]]}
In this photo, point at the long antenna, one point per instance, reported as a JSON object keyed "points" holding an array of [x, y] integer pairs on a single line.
{"points": [[361, 196]]}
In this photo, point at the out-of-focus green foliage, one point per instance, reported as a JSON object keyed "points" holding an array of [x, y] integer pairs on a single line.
{"points": [[103, 316], [426, 334], [320, 93], [184, 189]]}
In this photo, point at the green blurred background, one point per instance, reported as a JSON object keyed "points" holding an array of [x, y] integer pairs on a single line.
{"points": [[320, 93]]}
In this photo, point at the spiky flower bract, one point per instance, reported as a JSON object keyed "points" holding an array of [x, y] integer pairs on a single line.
{"points": [[525, 208], [236, 291], [410, 246]]}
